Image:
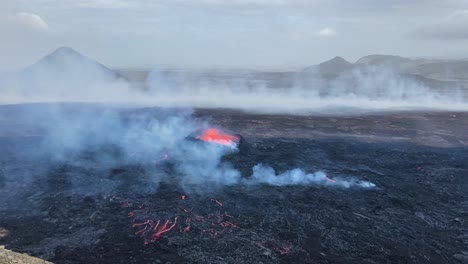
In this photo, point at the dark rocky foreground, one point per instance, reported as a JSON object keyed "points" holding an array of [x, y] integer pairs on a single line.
{"points": [[417, 214]]}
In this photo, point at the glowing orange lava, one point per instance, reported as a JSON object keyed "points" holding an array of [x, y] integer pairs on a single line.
{"points": [[214, 135]]}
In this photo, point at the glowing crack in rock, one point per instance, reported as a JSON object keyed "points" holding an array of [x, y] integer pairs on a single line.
{"points": [[158, 231], [145, 226], [213, 223], [330, 180], [214, 135], [216, 201], [227, 224], [152, 233]]}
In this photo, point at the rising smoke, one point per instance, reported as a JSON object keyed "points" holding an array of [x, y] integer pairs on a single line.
{"points": [[367, 89], [86, 143], [101, 138], [266, 175]]}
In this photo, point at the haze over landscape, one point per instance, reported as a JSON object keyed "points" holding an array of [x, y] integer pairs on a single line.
{"points": [[233, 131], [231, 33], [373, 82], [256, 55]]}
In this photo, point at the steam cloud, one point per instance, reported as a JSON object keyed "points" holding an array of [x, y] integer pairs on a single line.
{"points": [[144, 136], [366, 89], [267, 175], [70, 77], [98, 138], [95, 140]]}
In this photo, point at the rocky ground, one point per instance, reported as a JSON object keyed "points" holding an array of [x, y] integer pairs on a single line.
{"points": [[10, 257], [418, 213]]}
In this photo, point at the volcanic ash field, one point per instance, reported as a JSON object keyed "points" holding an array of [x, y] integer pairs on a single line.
{"points": [[94, 184]]}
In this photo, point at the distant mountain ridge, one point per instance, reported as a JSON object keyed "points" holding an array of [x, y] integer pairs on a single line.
{"points": [[431, 72], [64, 74], [331, 68], [67, 62], [442, 70], [68, 71], [382, 59]]}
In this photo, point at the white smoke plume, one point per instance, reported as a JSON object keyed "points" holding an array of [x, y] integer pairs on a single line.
{"points": [[366, 89], [67, 76], [266, 175], [95, 140]]}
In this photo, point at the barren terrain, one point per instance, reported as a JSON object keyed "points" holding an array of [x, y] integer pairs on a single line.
{"points": [[418, 213]]}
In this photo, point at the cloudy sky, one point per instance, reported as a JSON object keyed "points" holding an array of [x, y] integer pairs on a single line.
{"points": [[231, 33]]}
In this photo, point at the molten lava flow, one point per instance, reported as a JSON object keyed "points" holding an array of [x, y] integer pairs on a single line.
{"points": [[217, 202], [214, 135], [330, 180], [145, 225], [161, 230], [227, 224], [151, 230], [146, 228]]}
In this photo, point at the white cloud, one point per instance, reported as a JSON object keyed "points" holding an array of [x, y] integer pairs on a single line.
{"points": [[123, 3], [23, 38], [31, 20], [249, 2], [458, 14], [326, 32], [24, 20], [454, 26]]}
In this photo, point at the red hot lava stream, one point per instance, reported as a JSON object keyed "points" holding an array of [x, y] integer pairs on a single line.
{"points": [[217, 202], [330, 180], [211, 224]]}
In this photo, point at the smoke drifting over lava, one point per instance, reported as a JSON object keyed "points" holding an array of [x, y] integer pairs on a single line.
{"points": [[151, 146]]}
